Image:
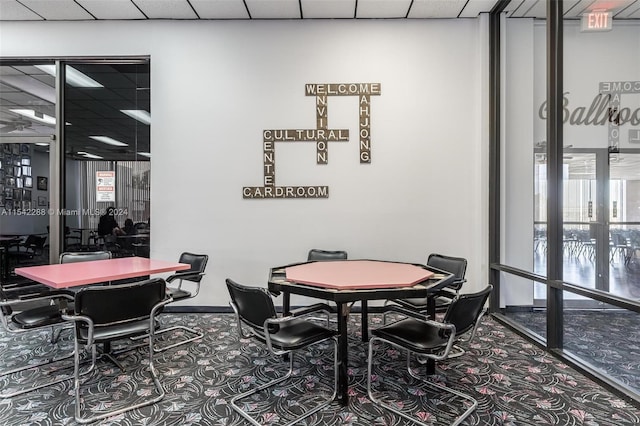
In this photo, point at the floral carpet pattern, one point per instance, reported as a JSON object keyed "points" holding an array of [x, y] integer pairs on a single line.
{"points": [[514, 382], [600, 337]]}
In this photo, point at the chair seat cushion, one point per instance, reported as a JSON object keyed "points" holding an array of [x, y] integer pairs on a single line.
{"points": [[413, 334], [116, 331], [38, 317], [177, 294], [298, 333]]}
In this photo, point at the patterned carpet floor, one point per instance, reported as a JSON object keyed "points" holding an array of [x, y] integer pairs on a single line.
{"points": [[603, 338], [514, 381]]}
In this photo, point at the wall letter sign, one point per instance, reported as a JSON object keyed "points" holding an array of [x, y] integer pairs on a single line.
{"points": [[322, 135]]}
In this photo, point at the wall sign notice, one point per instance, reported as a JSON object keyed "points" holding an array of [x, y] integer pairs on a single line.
{"points": [[322, 135], [106, 186]]}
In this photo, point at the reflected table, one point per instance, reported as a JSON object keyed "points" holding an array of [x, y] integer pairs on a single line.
{"points": [[346, 281], [5, 243]]}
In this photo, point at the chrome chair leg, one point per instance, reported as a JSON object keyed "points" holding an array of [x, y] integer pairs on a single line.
{"points": [[94, 357], [328, 401], [473, 402]]}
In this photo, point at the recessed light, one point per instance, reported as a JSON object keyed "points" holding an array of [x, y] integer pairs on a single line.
{"points": [[42, 118], [72, 76], [139, 114], [108, 140], [88, 155]]}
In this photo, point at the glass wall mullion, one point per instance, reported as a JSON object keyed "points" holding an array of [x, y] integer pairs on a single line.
{"points": [[554, 174]]}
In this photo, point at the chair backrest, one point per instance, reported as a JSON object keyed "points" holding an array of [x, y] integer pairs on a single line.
{"points": [[39, 241], [118, 304], [455, 265], [198, 264], [466, 309], [84, 256], [138, 226], [318, 254], [253, 305]]}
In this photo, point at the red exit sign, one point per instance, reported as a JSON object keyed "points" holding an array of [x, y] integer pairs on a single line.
{"points": [[598, 20]]}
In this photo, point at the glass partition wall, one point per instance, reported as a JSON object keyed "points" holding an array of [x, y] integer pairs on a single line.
{"points": [[49, 168], [568, 263]]}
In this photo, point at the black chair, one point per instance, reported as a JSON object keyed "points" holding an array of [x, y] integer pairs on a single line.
{"points": [[442, 299], [107, 313], [30, 248], [320, 255], [110, 244], [83, 256], [192, 275], [255, 311], [26, 312], [431, 340]]}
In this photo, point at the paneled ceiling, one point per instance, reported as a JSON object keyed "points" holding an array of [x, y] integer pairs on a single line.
{"points": [[73, 10]]}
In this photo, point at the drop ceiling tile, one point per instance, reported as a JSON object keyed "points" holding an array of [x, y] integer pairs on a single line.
{"points": [[11, 10], [538, 10], [382, 8], [633, 13], [66, 10], [473, 8], [328, 9], [220, 9], [112, 9], [166, 9], [274, 9], [619, 8], [436, 8], [576, 9], [522, 11]]}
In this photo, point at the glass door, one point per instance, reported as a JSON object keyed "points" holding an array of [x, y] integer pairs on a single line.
{"points": [[624, 224], [601, 213]]}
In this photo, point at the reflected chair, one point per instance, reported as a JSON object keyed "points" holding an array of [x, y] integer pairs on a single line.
{"points": [[27, 313], [107, 313], [454, 265], [255, 312], [31, 247], [192, 275], [430, 340]]}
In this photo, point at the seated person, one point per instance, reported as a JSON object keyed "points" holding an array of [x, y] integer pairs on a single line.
{"points": [[129, 229], [108, 224]]}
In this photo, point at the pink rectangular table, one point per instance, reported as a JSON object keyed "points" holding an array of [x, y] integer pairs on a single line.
{"points": [[96, 271]]}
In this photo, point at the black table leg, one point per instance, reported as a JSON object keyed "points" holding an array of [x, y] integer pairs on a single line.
{"points": [[343, 355], [286, 303], [365, 320]]}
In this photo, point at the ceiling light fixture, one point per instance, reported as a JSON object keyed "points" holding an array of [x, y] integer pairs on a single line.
{"points": [[108, 140], [139, 114], [72, 76], [88, 155], [37, 116], [145, 154]]}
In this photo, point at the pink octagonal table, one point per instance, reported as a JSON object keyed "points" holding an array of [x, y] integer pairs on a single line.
{"points": [[346, 281]]}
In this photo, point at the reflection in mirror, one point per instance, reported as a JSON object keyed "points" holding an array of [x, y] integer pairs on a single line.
{"points": [[107, 149]]}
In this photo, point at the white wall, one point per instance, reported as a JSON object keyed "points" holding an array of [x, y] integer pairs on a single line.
{"points": [[216, 85]]}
